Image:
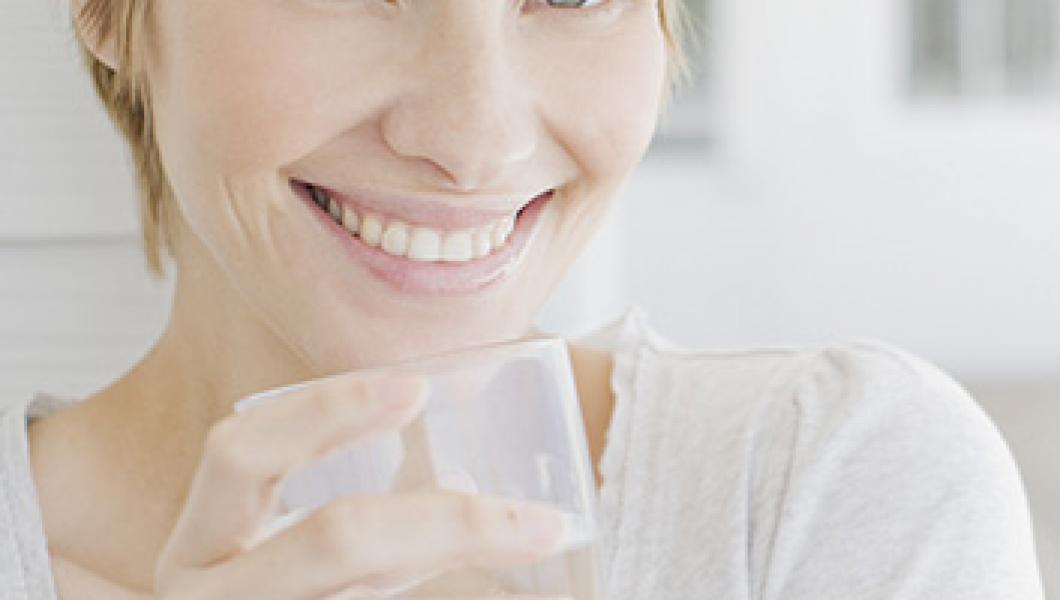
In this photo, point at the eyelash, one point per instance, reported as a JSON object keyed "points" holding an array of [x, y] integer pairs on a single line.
{"points": [[587, 6], [582, 6]]}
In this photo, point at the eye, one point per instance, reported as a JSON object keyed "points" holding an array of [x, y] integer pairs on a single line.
{"points": [[575, 3]]}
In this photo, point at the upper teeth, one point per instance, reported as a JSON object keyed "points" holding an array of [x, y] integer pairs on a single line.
{"points": [[418, 242]]}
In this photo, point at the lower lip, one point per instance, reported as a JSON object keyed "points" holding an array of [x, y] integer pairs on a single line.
{"points": [[436, 278]]}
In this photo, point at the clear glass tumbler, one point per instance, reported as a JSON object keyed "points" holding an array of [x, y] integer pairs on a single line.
{"points": [[502, 420]]}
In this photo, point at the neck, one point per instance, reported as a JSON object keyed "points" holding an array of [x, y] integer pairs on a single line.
{"points": [[137, 442], [213, 352]]}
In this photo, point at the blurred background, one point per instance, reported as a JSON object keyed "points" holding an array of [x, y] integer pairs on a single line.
{"points": [[882, 168]]}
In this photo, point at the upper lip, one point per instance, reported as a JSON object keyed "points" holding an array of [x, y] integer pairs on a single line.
{"points": [[441, 211]]}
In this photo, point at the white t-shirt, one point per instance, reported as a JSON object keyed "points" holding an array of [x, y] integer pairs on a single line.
{"points": [[846, 471]]}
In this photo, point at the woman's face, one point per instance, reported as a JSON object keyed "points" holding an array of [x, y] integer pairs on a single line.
{"points": [[432, 124]]}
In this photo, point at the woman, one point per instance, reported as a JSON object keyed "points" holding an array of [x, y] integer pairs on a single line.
{"points": [[346, 183]]}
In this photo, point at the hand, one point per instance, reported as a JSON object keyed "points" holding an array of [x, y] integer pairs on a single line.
{"points": [[350, 546]]}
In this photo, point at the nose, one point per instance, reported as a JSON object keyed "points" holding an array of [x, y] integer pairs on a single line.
{"points": [[465, 112]]}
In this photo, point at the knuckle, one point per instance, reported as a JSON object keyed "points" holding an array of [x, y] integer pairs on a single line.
{"points": [[329, 403], [335, 536], [358, 387], [324, 404], [475, 518], [224, 448]]}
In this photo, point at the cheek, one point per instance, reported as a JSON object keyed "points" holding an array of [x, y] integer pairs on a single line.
{"points": [[243, 90], [602, 99], [241, 93], [212, 94]]}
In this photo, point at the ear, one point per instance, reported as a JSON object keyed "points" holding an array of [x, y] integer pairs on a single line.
{"points": [[105, 50]]}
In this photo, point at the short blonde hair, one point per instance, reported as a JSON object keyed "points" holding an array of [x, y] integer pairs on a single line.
{"points": [[127, 99]]}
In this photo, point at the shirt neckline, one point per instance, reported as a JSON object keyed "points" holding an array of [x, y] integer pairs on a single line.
{"points": [[19, 496]]}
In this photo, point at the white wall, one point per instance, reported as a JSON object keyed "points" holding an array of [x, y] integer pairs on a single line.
{"points": [[74, 314], [63, 173], [929, 225]]}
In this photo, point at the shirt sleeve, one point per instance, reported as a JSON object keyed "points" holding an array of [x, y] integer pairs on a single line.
{"points": [[881, 478]]}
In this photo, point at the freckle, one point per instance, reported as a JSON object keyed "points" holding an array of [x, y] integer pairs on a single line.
{"points": [[513, 516]]}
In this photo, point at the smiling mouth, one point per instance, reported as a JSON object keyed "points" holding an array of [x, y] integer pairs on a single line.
{"points": [[418, 242], [420, 261]]}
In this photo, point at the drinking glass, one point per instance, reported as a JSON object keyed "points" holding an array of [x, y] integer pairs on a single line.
{"points": [[503, 420]]}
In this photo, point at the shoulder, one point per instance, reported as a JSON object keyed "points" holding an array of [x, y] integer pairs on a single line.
{"points": [[890, 463], [853, 395], [872, 392], [858, 460], [860, 396], [887, 415], [856, 393], [862, 406]]}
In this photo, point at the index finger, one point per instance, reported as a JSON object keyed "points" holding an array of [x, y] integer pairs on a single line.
{"points": [[247, 454]]}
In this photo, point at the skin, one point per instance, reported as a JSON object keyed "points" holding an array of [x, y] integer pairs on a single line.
{"points": [[457, 100]]}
